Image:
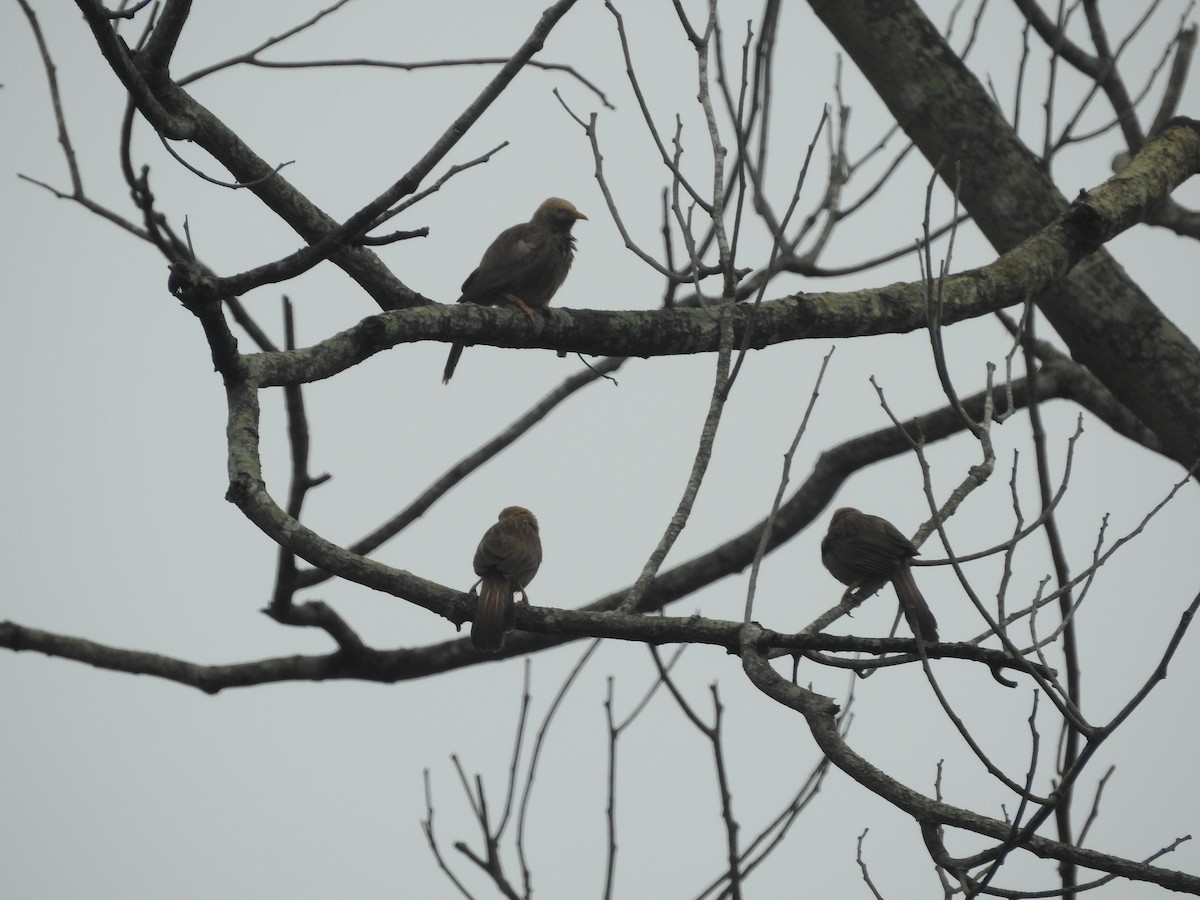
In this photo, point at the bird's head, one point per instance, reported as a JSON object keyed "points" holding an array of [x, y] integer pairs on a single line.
{"points": [[518, 514], [845, 512], [558, 214]]}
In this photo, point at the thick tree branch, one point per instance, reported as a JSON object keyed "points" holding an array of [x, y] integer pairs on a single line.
{"points": [[1110, 325], [1034, 267]]}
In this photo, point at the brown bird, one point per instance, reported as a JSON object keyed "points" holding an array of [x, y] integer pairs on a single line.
{"points": [[506, 560], [865, 552], [524, 265]]}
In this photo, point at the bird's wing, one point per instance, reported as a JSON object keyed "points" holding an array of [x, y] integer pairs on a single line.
{"points": [[504, 261], [514, 257], [509, 550], [875, 552]]}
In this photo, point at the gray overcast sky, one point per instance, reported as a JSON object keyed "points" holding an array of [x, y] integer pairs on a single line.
{"points": [[115, 526]]}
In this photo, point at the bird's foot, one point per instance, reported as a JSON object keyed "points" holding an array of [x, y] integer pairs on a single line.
{"points": [[519, 304]]}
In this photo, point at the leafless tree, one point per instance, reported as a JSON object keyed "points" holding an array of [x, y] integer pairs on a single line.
{"points": [[744, 214]]}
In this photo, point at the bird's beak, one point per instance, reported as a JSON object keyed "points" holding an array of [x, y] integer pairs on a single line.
{"points": [[579, 215]]}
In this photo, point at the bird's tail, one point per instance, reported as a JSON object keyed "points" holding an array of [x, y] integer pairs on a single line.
{"points": [[451, 361], [916, 610], [494, 615]]}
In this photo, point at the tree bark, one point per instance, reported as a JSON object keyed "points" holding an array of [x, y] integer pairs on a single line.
{"points": [[1106, 320]]}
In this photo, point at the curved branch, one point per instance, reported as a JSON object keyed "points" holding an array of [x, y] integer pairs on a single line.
{"points": [[820, 715], [543, 628]]}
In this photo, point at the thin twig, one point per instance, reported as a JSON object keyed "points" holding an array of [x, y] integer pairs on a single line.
{"points": [[708, 435]]}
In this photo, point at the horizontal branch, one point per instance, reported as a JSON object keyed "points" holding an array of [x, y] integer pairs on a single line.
{"points": [[1031, 268], [390, 666]]}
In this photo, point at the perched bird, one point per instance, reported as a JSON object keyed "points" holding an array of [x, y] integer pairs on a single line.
{"points": [[864, 552], [506, 560], [524, 265]]}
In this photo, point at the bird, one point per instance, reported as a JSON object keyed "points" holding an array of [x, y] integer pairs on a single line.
{"points": [[864, 552], [506, 560], [524, 266]]}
